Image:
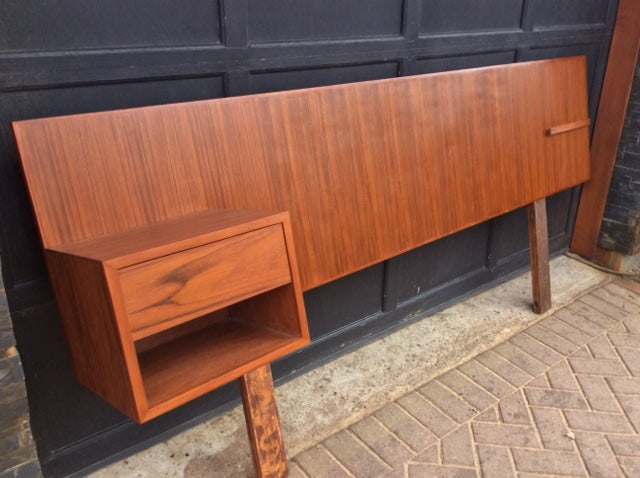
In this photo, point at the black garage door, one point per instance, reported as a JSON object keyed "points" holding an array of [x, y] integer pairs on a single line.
{"points": [[60, 57]]}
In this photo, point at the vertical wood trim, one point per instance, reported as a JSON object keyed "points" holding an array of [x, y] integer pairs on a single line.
{"points": [[539, 250], [608, 127], [263, 423]]}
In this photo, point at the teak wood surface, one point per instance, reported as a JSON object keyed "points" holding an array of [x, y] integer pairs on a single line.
{"points": [[263, 424], [196, 337], [164, 270], [539, 251], [367, 170]]}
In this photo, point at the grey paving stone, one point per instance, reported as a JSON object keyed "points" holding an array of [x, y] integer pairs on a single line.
{"points": [[430, 455], [595, 366], [604, 307], [625, 445], [419, 470], [495, 462], [624, 340], [520, 358], [318, 463], [547, 461], [503, 368], [354, 456], [616, 300], [428, 415], [624, 385], [457, 448], [632, 323], [631, 358], [486, 379], [579, 322], [541, 381], [384, 443], [630, 465], [504, 434], [598, 394], [448, 402], [295, 471], [561, 377], [551, 340], [404, 421], [513, 409], [598, 422], [552, 429], [601, 348], [564, 399], [467, 390], [536, 349], [490, 416], [565, 330], [538, 405], [625, 293], [592, 314], [597, 455], [631, 406]]}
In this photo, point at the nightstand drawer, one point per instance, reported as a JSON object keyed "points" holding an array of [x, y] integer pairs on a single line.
{"points": [[206, 278]]}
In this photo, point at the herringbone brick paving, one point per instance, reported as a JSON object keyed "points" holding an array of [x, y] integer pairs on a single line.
{"points": [[561, 398]]}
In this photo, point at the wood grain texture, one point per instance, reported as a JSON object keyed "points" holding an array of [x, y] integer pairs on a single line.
{"points": [[135, 245], [367, 170], [191, 283], [148, 346], [199, 362], [539, 251], [623, 57], [565, 128], [103, 354], [263, 424]]}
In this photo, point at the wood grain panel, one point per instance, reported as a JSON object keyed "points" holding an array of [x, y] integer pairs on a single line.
{"points": [[367, 170], [198, 362], [263, 423], [199, 280], [539, 252], [133, 246], [104, 357]]}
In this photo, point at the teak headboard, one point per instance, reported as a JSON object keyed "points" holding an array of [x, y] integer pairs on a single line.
{"points": [[349, 162], [169, 245]]}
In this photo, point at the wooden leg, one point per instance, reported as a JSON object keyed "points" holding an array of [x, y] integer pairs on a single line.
{"points": [[263, 423], [539, 246]]}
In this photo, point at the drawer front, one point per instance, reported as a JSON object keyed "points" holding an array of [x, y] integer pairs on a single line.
{"points": [[206, 278]]}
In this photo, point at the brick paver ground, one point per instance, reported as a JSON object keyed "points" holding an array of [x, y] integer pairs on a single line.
{"points": [[561, 398]]}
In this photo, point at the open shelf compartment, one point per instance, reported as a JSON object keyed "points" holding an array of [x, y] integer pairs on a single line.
{"points": [[198, 356], [205, 359]]}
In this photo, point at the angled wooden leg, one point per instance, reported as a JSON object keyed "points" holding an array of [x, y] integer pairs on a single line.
{"points": [[539, 246], [263, 423]]}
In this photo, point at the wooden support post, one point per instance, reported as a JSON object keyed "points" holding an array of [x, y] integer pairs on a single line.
{"points": [[263, 423], [539, 247]]}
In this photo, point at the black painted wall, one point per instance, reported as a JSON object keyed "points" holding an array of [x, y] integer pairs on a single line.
{"points": [[60, 57]]}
